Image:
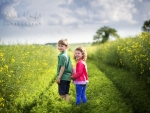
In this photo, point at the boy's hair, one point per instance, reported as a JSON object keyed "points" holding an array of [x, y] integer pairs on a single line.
{"points": [[63, 42], [83, 51]]}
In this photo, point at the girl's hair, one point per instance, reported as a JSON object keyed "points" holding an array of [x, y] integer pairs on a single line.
{"points": [[83, 51], [63, 42]]}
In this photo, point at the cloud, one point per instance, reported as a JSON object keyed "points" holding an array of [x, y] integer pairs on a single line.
{"points": [[115, 10], [100, 10], [76, 19], [11, 16], [7, 7]]}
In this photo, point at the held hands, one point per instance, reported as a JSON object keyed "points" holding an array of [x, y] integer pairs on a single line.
{"points": [[73, 73], [72, 77]]}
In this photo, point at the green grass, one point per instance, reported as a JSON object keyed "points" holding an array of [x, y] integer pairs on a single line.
{"points": [[27, 78], [130, 53], [25, 71], [126, 63], [72, 47], [101, 94], [134, 90], [28, 84]]}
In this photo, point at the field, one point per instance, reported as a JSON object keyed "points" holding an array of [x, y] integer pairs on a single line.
{"points": [[119, 80]]}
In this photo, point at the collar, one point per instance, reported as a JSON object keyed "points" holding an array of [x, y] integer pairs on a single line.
{"points": [[62, 52]]}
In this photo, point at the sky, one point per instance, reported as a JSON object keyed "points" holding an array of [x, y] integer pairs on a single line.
{"points": [[47, 21]]}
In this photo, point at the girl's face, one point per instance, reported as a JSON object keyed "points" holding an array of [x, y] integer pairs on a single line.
{"points": [[78, 55], [61, 47]]}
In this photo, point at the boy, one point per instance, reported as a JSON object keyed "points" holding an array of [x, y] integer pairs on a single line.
{"points": [[64, 70]]}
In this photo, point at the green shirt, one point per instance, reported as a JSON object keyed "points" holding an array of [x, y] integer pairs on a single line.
{"points": [[64, 60]]}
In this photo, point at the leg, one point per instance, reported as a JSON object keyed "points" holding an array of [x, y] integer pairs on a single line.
{"points": [[61, 89], [62, 96], [78, 93], [67, 91], [83, 95], [67, 97]]}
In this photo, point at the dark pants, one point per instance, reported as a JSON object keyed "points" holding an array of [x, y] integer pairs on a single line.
{"points": [[63, 87]]}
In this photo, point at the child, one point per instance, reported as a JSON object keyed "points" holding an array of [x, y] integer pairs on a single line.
{"points": [[64, 70], [80, 77]]}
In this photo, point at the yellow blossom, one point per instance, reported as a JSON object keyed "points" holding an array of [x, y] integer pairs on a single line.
{"points": [[1, 99], [1, 104], [9, 75], [11, 95], [5, 68], [12, 60], [1, 54], [1, 69]]}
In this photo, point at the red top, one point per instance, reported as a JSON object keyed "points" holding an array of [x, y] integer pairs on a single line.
{"points": [[81, 72]]}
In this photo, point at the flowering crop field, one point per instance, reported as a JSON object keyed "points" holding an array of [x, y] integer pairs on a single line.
{"points": [[132, 54], [27, 80], [102, 96], [127, 63], [25, 71], [28, 73]]}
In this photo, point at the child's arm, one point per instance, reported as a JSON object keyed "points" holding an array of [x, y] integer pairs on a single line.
{"points": [[60, 74], [73, 72], [79, 70]]}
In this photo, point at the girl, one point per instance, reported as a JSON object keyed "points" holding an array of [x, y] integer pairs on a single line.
{"points": [[80, 77]]}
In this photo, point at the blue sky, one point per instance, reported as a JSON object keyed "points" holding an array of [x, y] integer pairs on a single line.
{"points": [[43, 21]]}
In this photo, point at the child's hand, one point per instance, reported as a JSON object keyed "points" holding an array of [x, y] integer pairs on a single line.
{"points": [[72, 77], [58, 80]]}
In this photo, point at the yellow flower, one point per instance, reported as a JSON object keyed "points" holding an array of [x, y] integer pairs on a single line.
{"points": [[11, 95], [5, 68], [1, 54], [12, 60], [9, 75], [11, 71], [1, 99], [1, 69], [3, 59], [1, 104]]}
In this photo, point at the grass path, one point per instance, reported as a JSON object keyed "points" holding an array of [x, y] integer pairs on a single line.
{"points": [[102, 95]]}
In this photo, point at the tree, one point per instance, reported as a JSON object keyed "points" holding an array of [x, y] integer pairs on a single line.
{"points": [[146, 26], [103, 34]]}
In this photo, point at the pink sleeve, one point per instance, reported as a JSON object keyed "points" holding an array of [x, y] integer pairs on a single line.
{"points": [[79, 70]]}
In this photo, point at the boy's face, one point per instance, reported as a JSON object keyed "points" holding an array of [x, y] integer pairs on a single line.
{"points": [[61, 47]]}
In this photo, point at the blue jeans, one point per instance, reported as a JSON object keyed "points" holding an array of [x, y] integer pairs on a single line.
{"points": [[80, 93]]}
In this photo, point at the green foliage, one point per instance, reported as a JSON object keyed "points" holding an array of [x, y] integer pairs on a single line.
{"points": [[30, 71], [134, 90], [130, 53], [101, 94], [25, 71], [103, 34], [72, 47], [146, 26], [126, 62]]}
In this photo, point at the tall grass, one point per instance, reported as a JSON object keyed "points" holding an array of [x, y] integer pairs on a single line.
{"points": [[102, 96], [27, 84], [25, 71], [127, 63], [132, 54]]}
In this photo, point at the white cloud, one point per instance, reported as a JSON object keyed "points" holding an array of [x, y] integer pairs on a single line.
{"points": [[8, 7], [140, 0], [115, 10], [81, 11]]}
